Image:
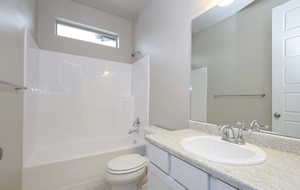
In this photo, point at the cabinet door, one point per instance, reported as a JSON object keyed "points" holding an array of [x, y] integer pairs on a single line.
{"points": [[158, 180], [158, 157], [218, 185], [192, 178]]}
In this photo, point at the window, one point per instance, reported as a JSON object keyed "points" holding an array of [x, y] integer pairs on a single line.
{"points": [[86, 33]]}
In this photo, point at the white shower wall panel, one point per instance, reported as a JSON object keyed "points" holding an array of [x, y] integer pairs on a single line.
{"points": [[31, 73], [80, 99]]}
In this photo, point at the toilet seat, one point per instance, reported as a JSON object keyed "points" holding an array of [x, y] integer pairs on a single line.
{"points": [[126, 164]]}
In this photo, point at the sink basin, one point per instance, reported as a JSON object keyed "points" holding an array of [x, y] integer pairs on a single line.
{"points": [[213, 148]]}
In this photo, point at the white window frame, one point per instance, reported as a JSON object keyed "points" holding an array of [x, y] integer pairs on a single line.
{"points": [[96, 30]]}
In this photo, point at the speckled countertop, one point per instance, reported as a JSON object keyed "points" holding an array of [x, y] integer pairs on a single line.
{"points": [[281, 170]]}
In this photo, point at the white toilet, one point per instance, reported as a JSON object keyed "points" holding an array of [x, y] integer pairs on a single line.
{"points": [[127, 172]]}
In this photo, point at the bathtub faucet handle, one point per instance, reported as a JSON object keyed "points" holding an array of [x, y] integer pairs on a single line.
{"points": [[136, 122], [136, 126]]}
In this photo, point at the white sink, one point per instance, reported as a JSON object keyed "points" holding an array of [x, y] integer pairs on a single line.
{"points": [[213, 148]]}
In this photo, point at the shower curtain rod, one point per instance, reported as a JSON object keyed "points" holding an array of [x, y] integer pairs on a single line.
{"points": [[242, 95]]}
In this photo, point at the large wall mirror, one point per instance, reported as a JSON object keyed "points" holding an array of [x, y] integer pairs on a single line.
{"points": [[246, 65]]}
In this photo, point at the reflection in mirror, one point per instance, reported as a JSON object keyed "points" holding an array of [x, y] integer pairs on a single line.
{"points": [[232, 61]]}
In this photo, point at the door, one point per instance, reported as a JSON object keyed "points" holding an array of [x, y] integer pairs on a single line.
{"points": [[286, 69], [199, 94]]}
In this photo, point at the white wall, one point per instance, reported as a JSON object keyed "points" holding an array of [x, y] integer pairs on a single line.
{"points": [[48, 11], [71, 101], [163, 32], [15, 16]]}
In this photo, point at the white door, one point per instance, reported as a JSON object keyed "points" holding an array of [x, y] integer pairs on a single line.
{"points": [[199, 94], [286, 68]]}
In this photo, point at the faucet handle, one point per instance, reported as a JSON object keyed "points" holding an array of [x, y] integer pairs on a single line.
{"points": [[136, 122], [240, 134], [225, 129], [257, 126]]}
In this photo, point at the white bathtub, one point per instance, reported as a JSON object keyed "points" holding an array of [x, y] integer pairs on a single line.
{"points": [[77, 166], [70, 151]]}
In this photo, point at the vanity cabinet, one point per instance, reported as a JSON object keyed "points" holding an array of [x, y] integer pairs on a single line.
{"points": [[167, 172]]}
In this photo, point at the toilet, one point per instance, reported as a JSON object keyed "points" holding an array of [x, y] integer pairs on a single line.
{"points": [[127, 172]]}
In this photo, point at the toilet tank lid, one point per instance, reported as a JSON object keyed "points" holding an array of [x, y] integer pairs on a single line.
{"points": [[126, 162]]}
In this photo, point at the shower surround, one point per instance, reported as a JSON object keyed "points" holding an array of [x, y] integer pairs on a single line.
{"points": [[78, 110]]}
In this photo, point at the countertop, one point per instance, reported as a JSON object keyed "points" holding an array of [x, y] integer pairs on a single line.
{"points": [[281, 170]]}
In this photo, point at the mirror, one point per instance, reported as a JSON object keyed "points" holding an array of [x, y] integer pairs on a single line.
{"points": [[246, 65]]}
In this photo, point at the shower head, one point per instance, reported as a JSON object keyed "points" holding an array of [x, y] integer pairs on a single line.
{"points": [[136, 54]]}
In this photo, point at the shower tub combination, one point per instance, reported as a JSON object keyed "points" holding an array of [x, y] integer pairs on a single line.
{"points": [[77, 113]]}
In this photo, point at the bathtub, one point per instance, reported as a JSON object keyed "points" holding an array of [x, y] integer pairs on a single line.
{"points": [[79, 166]]}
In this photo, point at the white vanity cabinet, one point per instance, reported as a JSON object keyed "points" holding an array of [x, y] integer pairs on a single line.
{"points": [[167, 172]]}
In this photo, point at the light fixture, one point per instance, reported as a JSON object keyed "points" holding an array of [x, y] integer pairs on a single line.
{"points": [[224, 3]]}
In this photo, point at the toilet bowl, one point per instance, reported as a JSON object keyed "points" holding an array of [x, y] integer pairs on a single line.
{"points": [[126, 172]]}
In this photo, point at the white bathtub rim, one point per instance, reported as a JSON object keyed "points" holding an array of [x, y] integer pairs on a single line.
{"points": [[31, 164]]}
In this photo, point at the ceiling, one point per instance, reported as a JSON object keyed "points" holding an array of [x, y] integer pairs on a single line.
{"points": [[217, 14], [128, 9]]}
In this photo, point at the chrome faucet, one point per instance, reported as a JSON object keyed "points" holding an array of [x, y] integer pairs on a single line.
{"points": [[136, 126], [136, 122], [257, 126], [233, 134], [239, 139], [227, 133], [131, 131]]}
